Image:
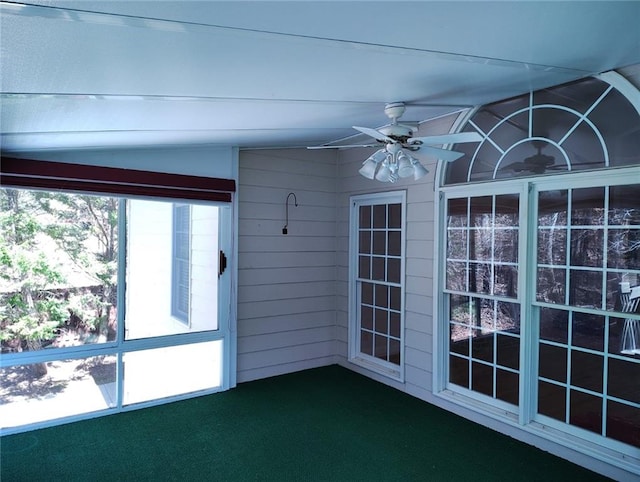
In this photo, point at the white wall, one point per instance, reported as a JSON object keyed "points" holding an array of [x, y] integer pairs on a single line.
{"points": [[286, 283]]}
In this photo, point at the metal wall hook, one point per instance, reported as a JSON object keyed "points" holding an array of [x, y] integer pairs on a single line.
{"points": [[286, 203]]}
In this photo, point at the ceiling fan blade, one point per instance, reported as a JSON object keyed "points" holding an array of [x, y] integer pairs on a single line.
{"points": [[346, 146], [448, 138], [374, 133], [444, 154]]}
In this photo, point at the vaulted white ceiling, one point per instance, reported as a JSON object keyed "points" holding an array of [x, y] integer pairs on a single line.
{"points": [[106, 74]]}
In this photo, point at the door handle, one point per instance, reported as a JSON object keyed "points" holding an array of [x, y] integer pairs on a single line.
{"points": [[222, 263]]}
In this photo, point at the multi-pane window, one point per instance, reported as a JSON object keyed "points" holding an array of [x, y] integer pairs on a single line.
{"points": [[482, 287], [540, 266], [377, 306], [588, 265]]}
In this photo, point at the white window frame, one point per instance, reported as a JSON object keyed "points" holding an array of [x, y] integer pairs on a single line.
{"points": [[382, 367], [613, 452]]}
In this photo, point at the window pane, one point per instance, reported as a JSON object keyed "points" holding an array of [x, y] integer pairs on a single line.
{"points": [[380, 216], [457, 213], [175, 370], [552, 246], [623, 423], [585, 411], [364, 242], [588, 331], [508, 354], [394, 244], [365, 217], [552, 208], [459, 371], [552, 362], [623, 248], [624, 205], [507, 386], [150, 283], [395, 216], [456, 276], [587, 247], [587, 370], [456, 244], [554, 325], [552, 400], [587, 206], [58, 269], [585, 288], [49, 390]]}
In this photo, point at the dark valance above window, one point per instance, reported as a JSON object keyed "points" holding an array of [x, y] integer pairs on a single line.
{"points": [[18, 172]]}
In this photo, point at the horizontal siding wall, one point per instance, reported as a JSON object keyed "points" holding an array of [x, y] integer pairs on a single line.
{"points": [[419, 260], [286, 283]]}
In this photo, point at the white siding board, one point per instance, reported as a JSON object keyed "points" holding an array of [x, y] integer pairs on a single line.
{"points": [[286, 283], [271, 341], [255, 277], [282, 323], [289, 243], [286, 291], [260, 309]]}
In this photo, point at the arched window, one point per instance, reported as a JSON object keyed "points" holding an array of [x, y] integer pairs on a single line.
{"points": [[540, 265]]}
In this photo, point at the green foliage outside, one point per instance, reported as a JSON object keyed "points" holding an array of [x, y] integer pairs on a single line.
{"points": [[52, 247]]}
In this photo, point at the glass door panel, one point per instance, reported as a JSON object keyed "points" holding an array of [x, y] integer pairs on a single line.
{"points": [[172, 268]]}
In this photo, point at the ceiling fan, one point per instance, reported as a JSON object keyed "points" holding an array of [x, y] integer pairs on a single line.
{"points": [[392, 161], [536, 164]]}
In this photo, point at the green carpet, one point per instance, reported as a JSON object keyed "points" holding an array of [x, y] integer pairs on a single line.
{"points": [[322, 424]]}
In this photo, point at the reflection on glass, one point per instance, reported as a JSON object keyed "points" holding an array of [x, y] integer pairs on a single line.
{"points": [[481, 210], [508, 317], [460, 309], [456, 276], [624, 205], [480, 280], [151, 284], [505, 245], [587, 247], [456, 244], [587, 331], [482, 345], [551, 285], [552, 208], [623, 248], [587, 206], [552, 246], [457, 213], [585, 288], [164, 372], [480, 244], [50, 390], [506, 281]]}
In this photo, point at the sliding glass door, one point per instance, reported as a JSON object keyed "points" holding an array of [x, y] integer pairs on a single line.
{"points": [[109, 302]]}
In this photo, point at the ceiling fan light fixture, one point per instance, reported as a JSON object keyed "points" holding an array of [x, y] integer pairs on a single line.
{"points": [[419, 171], [368, 169], [405, 165]]}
